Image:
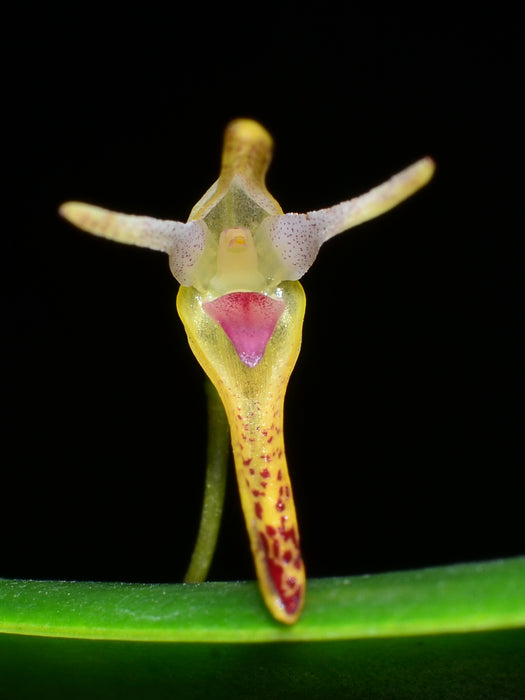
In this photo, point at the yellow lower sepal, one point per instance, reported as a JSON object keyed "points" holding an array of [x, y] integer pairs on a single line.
{"points": [[253, 398]]}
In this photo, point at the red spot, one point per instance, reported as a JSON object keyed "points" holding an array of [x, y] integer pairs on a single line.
{"points": [[270, 530], [292, 602], [263, 484], [265, 473], [266, 458], [291, 581], [275, 549], [265, 433], [270, 438], [287, 556], [251, 470], [264, 542], [248, 319], [279, 475], [258, 510], [279, 506], [289, 534]]}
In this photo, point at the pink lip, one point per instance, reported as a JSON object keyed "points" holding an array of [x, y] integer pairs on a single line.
{"points": [[248, 319]]}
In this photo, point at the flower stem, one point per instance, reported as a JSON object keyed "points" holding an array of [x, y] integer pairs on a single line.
{"points": [[214, 488]]}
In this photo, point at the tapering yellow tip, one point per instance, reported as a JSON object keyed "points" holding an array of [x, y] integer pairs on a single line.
{"points": [[423, 171], [80, 214], [247, 150], [248, 131]]}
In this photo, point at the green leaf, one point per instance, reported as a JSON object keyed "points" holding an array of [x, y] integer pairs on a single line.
{"points": [[456, 631], [460, 598]]}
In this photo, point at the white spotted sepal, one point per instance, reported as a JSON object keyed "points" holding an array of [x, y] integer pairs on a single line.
{"points": [[296, 238], [184, 243]]}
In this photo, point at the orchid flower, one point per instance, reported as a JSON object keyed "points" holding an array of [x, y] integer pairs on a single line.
{"points": [[238, 259]]}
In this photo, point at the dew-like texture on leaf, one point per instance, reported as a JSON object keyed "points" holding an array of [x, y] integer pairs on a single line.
{"points": [[454, 599]]}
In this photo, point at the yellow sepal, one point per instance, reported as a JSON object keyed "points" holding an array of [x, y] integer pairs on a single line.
{"points": [[253, 398]]}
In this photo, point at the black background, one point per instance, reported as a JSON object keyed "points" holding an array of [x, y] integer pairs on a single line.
{"points": [[402, 416]]}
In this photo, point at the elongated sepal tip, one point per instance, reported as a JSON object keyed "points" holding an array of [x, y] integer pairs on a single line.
{"points": [[72, 212], [423, 170]]}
